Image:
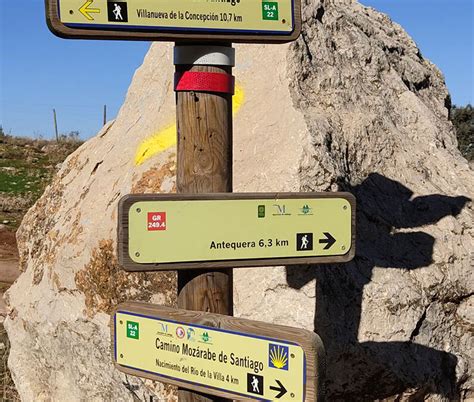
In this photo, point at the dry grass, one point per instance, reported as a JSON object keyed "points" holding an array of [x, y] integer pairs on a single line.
{"points": [[26, 168]]}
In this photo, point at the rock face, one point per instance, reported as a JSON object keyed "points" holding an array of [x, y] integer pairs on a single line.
{"points": [[353, 106]]}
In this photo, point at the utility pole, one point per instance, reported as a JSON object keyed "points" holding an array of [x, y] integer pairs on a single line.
{"points": [[55, 125], [105, 115]]}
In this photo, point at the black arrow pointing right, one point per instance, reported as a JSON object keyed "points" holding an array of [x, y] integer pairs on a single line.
{"points": [[281, 389], [329, 240]]}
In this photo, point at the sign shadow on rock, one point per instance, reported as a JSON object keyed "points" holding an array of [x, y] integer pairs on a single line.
{"points": [[373, 370]]}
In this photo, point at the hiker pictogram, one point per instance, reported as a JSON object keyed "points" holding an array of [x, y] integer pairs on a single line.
{"points": [[304, 241], [117, 11], [255, 384]]}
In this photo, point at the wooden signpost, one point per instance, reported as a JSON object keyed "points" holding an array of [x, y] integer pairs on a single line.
{"points": [[216, 354], [199, 347], [166, 231], [204, 165]]}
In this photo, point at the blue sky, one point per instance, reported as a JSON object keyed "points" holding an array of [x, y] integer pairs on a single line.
{"points": [[39, 72]]}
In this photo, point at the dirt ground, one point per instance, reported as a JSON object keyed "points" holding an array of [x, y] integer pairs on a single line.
{"points": [[8, 263], [9, 272]]}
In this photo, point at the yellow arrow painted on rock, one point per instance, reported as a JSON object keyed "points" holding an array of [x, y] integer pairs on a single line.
{"points": [[166, 138], [85, 10]]}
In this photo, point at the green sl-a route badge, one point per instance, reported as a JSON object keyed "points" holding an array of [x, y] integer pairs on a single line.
{"points": [[235, 230], [233, 358], [133, 330], [270, 10], [232, 20]]}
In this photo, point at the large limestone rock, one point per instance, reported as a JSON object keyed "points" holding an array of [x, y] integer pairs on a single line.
{"points": [[353, 106]]}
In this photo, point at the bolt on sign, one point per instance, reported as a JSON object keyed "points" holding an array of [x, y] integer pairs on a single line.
{"points": [[250, 21], [159, 232], [219, 355]]}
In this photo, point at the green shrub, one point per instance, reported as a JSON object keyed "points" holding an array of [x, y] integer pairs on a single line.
{"points": [[463, 121]]}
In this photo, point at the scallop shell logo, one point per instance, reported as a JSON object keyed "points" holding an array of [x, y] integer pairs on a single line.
{"points": [[278, 357]]}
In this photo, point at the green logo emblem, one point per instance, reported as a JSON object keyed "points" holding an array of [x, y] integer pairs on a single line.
{"points": [[133, 330], [306, 209], [261, 211], [270, 10], [205, 337]]}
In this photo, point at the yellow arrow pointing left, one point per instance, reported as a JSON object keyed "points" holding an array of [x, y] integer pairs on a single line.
{"points": [[86, 11]]}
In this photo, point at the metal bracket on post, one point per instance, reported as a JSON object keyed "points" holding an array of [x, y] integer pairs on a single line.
{"points": [[204, 87], [204, 55]]}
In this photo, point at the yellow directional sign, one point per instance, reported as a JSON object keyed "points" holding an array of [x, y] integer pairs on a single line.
{"points": [[236, 20], [236, 359], [237, 229], [86, 10]]}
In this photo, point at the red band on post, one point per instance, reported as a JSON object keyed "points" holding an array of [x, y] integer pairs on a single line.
{"points": [[204, 82]]}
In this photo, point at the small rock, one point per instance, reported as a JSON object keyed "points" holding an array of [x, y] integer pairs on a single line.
{"points": [[8, 169]]}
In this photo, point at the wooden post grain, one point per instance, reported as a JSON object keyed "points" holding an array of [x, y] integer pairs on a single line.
{"points": [[204, 123]]}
